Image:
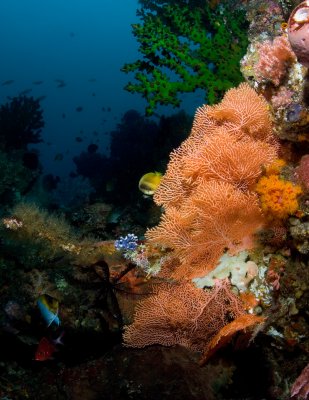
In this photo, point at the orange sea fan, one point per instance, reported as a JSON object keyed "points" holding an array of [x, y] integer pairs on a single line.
{"points": [[230, 141], [224, 336], [221, 156], [173, 230], [202, 123], [180, 313], [215, 217], [175, 186], [242, 109]]}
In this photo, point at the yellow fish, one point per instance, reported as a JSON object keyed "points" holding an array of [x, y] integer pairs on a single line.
{"points": [[149, 182]]}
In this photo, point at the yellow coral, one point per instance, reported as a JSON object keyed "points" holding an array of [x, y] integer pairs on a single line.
{"points": [[278, 198]]}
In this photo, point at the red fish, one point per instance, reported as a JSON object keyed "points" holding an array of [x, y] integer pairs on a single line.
{"points": [[46, 348]]}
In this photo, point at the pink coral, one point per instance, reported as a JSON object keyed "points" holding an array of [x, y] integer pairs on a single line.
{"points": [[274, 59], [300, 389], [302, 171], [282, 98]]}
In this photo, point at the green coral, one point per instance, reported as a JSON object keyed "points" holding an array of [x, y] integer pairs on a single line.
{"points": [[186, 48]]}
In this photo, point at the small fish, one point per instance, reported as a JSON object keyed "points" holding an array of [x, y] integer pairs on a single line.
{"points": [[49, 308], [58, 157], [26, 91], [46, 348], [109, 109], [103, 108], [63, 115], [149, 182], [92, 80], [37, 82], [79, 108], [93, 94], [78, 139], [62, 84], [8, 82], [41, 98]]}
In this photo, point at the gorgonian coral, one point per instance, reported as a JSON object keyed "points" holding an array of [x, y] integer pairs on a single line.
{"points": [[207, 191]]}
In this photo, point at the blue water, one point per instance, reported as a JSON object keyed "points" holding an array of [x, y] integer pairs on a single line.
{"points": [[82, 43], [77, 49]]}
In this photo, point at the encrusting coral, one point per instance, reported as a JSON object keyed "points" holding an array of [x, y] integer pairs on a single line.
{"points": [[207, 191]]}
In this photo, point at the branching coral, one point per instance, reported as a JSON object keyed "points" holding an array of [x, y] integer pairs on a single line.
{"points": [[185, 48]]}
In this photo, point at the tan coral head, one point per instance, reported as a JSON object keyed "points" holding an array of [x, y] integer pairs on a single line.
{"points": [[298, 32]]}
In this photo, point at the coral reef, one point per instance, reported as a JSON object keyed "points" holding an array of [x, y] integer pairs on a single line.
{"points": [[271, 67], [226, 267]]}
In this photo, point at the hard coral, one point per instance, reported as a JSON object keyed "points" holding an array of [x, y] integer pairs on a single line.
{"points": [[278, 198]]}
